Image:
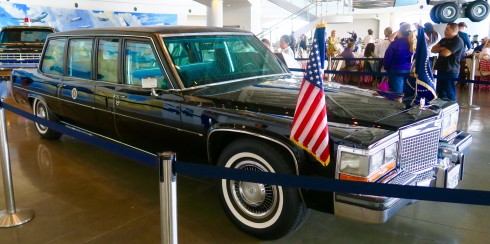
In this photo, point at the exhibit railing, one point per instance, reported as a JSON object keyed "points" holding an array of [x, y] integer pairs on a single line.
{"points": [[335, 72]]}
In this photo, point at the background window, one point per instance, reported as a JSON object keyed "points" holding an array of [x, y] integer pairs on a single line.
{"points": [[107, 58], [54, 57], [80, 58], [141, 62]]}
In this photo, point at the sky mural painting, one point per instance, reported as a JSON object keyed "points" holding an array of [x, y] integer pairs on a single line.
{"points": [[69, 19]]}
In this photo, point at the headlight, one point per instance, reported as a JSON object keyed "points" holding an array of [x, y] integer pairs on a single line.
{"points": [[354, 164], [364, 167], [377, 160], [391, 153]]}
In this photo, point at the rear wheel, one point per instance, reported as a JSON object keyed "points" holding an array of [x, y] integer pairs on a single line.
{"points": [[264, 211], [477, 11], [40, 109]]}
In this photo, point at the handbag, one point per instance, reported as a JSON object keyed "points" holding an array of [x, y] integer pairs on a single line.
{"points": [[383, 86]]}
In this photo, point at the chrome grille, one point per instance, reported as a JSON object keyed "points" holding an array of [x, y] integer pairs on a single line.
{"points": [[16, 56], [402, 179], [419, 152], [425, 176]]}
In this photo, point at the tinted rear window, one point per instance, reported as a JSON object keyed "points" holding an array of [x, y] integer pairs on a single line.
{"points": [[24, 35]]}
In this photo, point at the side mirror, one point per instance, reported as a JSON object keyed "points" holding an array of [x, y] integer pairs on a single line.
{"points": [[150, 82]]}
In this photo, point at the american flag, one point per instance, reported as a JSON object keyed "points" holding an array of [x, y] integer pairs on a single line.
{"points": [[421, 83], [310, 128]]}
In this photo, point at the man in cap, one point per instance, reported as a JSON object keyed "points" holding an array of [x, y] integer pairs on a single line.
{"points": [[449, 49]]}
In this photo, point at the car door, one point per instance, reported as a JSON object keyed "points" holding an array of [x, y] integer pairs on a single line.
{"points": [[151, 122], [77, 87], [108, 78], [52, 66]]}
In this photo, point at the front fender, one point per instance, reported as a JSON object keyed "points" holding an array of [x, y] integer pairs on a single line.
{"points": [[220, 135]]}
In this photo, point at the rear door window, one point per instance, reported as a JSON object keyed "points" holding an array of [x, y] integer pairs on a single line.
{"points": [[53, 59], [80, 58], [107, 60]]}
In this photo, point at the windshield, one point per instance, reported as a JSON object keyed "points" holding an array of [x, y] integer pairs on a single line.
{"points": [[24, 35], [201, 60]]}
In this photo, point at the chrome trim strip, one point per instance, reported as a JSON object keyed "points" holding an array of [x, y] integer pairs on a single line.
{"points": [[73, 127], [114, 36], [232, 81], [421, 128], [208, 34]]}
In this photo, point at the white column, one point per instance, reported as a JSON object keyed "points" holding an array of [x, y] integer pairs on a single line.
{"points": [[215, 13]]}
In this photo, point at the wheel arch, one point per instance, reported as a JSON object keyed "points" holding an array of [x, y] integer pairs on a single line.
{"points": [[219, 138]]}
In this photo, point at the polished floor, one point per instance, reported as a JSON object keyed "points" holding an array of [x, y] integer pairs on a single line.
{"points": [[82, 194]]}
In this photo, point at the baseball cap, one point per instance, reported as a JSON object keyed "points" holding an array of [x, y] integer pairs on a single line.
{"points": [[461, 24]]}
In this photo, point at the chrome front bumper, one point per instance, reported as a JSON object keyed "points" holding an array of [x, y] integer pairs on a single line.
{"points": [[447, 173], [375, 209]]}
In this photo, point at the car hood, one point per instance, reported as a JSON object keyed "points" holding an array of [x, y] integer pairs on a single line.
{"points": [[345, 104]]}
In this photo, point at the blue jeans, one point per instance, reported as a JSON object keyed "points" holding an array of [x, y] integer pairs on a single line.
{"points": [[396, 80], [446, 85]]}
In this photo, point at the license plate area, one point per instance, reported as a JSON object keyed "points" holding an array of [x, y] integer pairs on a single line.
{"points": [[448, 177], [452, 178]]}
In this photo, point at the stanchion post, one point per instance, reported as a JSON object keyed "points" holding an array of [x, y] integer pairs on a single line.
{"points": [[470, 104], [329, 68], [12, 216], [168, 198]]}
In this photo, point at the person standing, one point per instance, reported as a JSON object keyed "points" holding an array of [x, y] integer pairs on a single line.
{"points": [[333, 45], [465, 37], [432, 37], [285, 44], [382, 45], [369, 38], [449, 49], [398, 58], [267, 43]]}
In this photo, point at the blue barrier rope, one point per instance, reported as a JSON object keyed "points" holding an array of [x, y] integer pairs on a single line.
{"points": [[93, 140], [333, 185], [305, 182]]}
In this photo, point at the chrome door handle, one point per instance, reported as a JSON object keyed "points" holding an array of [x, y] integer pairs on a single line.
{"points": [[120, 96]]}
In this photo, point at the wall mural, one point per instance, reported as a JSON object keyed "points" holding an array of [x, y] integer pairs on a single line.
{"points": [[69, 19]]}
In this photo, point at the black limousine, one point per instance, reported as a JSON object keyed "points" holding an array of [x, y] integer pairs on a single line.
{"points": [[219, 95]]}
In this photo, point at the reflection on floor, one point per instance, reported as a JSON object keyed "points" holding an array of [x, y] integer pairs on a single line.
{"points": [[84, 194]]}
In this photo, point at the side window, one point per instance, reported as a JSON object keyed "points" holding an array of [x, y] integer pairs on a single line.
{"points": [[54, 57], [80, 58], [141, 62], [107, 58]]}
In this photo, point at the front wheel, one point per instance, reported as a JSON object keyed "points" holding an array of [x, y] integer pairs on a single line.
{"points": [[40, 109], [265, 211]]}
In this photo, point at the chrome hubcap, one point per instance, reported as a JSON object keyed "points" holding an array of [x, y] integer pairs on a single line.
{"points": [[41, 113], [449, 12], [254, 199], [479, 11], [252, 193]]}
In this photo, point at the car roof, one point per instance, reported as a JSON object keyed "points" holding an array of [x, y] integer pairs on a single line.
{"points": [[148, 30], [27, 27]]}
